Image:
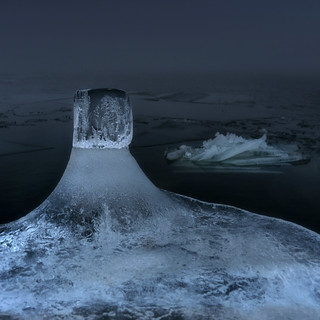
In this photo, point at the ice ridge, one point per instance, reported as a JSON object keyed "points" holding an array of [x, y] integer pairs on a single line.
{"points": [[231, 149]]}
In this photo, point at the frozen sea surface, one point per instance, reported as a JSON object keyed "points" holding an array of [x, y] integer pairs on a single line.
{"points": [[108, 244]]}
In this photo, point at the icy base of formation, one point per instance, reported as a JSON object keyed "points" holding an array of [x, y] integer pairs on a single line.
{"points": [[230, 149], [107, 244]]}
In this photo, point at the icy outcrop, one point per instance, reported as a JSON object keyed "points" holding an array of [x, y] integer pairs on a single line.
{"points": [[108, 244], [230, 149]]}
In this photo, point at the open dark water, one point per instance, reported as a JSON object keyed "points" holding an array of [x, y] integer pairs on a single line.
{"points": [[36, 137]]}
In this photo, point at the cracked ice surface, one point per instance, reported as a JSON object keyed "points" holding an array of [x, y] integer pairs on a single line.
{"points": [[108, 244]]}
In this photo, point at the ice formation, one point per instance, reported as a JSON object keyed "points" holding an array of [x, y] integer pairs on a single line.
{"points": [[108, 244], [233, 150], [102, 119]]}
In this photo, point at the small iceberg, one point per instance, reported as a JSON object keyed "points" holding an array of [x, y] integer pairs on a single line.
{"points": [[231, 149]]}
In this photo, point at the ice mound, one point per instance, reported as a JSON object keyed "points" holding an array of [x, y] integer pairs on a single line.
{"points": [[231, 149], [108, 244]]}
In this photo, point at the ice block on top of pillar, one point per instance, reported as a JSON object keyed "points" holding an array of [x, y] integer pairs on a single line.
{"points": [[102, 119]]}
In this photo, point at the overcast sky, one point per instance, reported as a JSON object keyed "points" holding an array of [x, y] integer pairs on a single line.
{"points": [[160, 36]]}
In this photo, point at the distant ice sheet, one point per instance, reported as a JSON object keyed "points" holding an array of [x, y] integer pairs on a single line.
{"points": [[231, 149]]}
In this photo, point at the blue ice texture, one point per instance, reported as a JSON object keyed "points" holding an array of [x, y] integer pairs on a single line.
{"points": [[108, 244]]}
